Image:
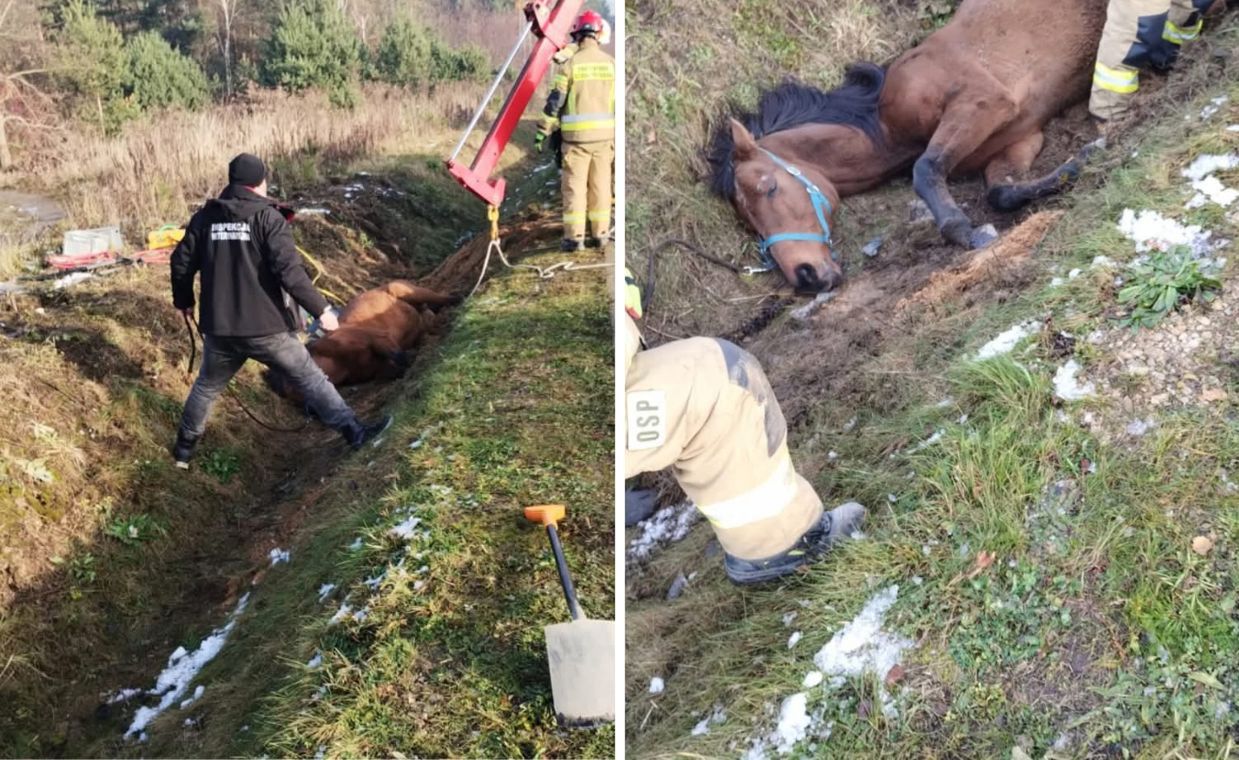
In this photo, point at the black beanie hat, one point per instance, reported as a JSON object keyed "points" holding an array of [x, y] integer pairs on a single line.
{"points": [[246, 169]]}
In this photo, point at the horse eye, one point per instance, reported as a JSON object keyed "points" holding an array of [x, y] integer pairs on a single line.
{"points": [[774, 188]]}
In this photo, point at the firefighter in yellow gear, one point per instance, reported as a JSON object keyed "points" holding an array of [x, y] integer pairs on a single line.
{"points": [[582, 105], [1139, 34], [704, 408]]}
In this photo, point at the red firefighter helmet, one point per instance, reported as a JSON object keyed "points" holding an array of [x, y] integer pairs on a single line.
{"points": [[589, 21]]}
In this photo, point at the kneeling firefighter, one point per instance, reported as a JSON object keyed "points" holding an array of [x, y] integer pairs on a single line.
{"points": [[582, 105], [704, 407]]}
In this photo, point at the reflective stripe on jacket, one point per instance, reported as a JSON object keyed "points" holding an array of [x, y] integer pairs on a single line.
{"points": [[582, 100]]}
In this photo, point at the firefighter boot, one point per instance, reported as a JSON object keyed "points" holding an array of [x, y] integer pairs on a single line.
{"points": [[835, 525]]}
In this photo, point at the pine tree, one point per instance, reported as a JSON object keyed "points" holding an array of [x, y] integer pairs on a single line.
{"points": [[160, 77], [314, 45], [92, 64]]}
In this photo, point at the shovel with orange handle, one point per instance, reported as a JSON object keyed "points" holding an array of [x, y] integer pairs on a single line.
{"points": [[581, 653]]}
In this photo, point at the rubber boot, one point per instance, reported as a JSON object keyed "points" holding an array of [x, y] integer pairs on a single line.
{"points": [[358, 433], [835, 525], [571, 245], [183, 450]]}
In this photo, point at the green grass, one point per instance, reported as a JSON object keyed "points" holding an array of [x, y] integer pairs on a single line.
{"points": [[513, 408], [1096, 629]]}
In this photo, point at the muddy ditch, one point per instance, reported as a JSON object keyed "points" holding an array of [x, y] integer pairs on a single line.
{"points": [[95, 377]]}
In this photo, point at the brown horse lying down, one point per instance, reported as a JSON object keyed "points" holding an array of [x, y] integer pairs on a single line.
{"points": [[972, 97], [377, 329]]}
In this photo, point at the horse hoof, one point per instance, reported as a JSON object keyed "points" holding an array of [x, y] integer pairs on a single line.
{"points": [[1005, 198], [958, 230], [982, 236]]}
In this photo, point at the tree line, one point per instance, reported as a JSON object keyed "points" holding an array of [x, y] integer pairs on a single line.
{"points": [[102, 63]]}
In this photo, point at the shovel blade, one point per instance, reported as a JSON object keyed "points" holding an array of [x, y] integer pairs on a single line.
{"points": [[582, 662]]}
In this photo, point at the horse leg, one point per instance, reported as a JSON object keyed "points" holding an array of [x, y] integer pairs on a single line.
{"points": [[972, 117], [1014, 195], [416, 295]]}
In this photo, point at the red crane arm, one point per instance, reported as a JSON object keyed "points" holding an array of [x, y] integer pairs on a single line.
{"points": [[551, 22]]}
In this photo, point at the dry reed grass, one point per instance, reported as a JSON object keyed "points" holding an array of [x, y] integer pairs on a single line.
{"points": [[157, 168]]}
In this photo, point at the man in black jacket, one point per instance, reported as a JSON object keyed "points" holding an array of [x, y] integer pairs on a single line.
{"points": [[251, 278]]}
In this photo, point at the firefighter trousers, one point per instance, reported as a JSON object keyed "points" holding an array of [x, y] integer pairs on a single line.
{"points": [[587, 188], [704, 408], [1139, 34]]}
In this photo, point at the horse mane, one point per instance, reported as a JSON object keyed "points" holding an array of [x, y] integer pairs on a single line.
{"points": [[791, 104]]}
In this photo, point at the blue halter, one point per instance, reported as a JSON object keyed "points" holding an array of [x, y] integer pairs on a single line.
{"points": [[821, 206]]}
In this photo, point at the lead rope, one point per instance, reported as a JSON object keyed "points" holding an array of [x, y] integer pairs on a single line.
{"points": [[191, 326], [544, 273]]}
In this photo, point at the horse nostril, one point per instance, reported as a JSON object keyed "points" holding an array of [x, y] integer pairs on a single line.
{"points": [[807, 279]]}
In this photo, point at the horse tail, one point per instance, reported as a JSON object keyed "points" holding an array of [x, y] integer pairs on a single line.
{"points": [[416, 295]]}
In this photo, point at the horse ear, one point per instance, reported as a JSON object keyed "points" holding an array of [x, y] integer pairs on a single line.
{"points": [[743, 140]]}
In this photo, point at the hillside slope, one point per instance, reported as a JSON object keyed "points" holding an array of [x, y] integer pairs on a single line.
{"points": [[1047, 570]]}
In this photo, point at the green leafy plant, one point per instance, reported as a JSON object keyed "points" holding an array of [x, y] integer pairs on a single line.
{"points": [[1162, 284], [135, 530], [935, 13], [221, 464]]}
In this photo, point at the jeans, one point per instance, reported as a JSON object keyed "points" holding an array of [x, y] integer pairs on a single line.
{"points": [[223, 357]]}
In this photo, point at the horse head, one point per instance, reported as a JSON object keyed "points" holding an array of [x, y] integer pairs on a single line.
{"points": [[790, 207]]}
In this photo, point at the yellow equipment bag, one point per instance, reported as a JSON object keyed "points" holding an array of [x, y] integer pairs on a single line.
{"points": [[166, 236]]}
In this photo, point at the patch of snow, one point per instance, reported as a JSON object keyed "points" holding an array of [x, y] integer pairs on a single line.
{"points": [[861, 646], [1211, 190], [324, 591], [1074, 274], [124, 695], [794, 639], [345, 610], [197, 695], [1214, 106], [278, 555], [315, 661], [183, 666], [70, 280], [702, 728], [1057, 281], [1140, 427], [1007, 340], [1066, 387], [930, 441], [788, 617], [405, 529], [850, 424], [1151, 231], [416, 444], [812, 678], [373, 583], [356, 545], [794, 723], [657, 685], [1210, 163], [666, 526]]}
